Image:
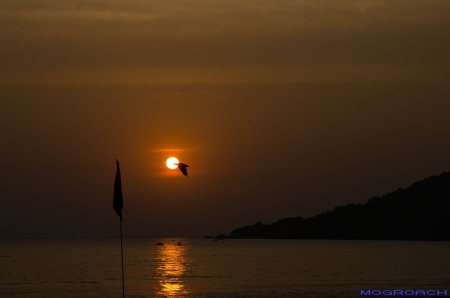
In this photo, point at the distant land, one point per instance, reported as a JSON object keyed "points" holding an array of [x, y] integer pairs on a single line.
{"points": [[419, 212]]}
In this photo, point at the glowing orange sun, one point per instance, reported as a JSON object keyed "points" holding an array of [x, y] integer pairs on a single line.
{"points": [[171, 163]]}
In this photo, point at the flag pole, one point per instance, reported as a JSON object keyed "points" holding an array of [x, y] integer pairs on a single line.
{"points": [[121, 251], [118, 206]]}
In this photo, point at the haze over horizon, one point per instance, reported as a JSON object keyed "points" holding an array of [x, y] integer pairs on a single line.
{"points": [[279, 108]]}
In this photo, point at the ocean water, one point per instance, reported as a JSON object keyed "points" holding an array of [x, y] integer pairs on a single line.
{"points": [[72, 267]]}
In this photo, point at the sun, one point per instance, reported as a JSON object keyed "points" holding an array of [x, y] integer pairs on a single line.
{"points": [[171, 163]]}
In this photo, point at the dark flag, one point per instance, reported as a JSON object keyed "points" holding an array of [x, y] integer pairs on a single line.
{"points": [[118, 199], [118, 206]]}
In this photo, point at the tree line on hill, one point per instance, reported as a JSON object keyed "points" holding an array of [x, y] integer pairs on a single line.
{"points": [[419, 212]]}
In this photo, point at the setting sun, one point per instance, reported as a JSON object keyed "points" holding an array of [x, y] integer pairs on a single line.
{"points": [[171, 163]]}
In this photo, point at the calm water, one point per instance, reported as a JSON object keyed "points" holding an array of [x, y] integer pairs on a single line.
{"points": [[228, 268]]}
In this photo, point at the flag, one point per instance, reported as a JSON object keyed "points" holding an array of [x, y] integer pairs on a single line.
{"points": [[118, 199]]}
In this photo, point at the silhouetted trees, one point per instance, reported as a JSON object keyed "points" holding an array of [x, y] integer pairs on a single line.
{"points": [[420, 212]]}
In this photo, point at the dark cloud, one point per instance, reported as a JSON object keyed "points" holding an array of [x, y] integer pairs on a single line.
{"points": [[145, 42]]}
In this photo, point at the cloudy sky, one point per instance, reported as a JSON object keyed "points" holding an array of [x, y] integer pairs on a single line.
{"points": [[281, 108]]}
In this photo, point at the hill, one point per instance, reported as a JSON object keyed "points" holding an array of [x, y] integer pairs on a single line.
{"points": [[419, 212]]}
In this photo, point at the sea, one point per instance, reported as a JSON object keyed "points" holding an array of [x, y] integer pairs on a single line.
{"points": [[92, 267]]}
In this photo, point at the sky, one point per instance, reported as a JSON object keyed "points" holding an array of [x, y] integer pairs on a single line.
{"points": [[280, 108]]}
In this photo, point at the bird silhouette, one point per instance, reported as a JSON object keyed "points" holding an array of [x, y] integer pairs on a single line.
{"points": [[183, 168]]}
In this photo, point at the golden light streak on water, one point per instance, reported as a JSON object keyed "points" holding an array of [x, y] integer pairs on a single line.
{"points": [[171, 266]]}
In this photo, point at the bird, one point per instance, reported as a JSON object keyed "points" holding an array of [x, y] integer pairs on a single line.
{"points": [[183, 168]]}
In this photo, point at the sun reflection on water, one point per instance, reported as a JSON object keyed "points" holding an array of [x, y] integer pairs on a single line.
{"points": [[172, 262]]}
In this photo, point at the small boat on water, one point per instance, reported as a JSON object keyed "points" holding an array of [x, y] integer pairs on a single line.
{"points": [[159, 243], [179, 244]]}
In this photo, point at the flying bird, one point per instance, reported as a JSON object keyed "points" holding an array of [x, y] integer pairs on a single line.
{"points": [[183, 168]]}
